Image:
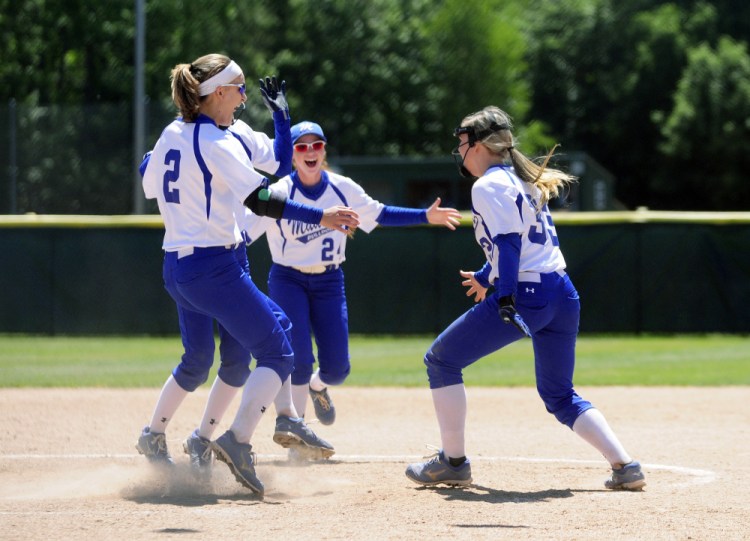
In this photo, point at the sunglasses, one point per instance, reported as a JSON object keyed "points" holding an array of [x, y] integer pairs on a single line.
{"points": [[315, 145], [241, 87]]}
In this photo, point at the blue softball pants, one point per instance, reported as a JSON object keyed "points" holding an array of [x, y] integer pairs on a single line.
{"points": [[551, 309], [316, 305], [214, 284]]}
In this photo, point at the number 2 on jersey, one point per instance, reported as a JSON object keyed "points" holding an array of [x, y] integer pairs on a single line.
{"points": [[172, 158], [327, 253]]}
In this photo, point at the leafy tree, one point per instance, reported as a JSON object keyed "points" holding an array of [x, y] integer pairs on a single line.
{"points": [[66, 52], [708, 130], [614, 78], [356, 67], [604, 73], [476, 53]]}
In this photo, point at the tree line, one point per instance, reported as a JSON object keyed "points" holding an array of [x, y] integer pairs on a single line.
{"points": [[657, 92]]}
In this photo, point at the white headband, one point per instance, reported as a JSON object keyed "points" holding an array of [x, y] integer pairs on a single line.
{"points": [[225, 76]]}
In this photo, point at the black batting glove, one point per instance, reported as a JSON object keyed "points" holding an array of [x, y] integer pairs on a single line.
{"points": [[274, 95], [509, 314]]}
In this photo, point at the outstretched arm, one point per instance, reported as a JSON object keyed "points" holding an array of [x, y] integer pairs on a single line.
{"points": [[437, 215], [403, 216], [265, 202]]}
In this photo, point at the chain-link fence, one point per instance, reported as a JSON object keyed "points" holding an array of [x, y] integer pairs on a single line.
{"points": [[72, 159]]}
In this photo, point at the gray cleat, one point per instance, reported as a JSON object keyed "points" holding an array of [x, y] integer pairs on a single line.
{"points": [[628, 477], [438, 471], [240, 459], [294, 433], [324, 408], [201, 455], [154, 446]]}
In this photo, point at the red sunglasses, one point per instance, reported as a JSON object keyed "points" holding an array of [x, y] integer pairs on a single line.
{"points": [[304, 147]]}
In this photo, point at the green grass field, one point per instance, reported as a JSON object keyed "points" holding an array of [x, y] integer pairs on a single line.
{"points": [[35, 361]]}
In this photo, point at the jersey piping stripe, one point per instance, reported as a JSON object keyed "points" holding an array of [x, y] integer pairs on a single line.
{"points": [[207, 176], [338, 192], [281, 231], [242, 142]]}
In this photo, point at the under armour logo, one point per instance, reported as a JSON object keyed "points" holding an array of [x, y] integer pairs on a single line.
{"points": [[163, 419], [529, 290], [212, 422], [262, 409]]}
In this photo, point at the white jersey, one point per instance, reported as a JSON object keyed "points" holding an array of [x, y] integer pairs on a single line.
{"points": [[297, 244], [199, 175], [502, 203], [257, 145]]}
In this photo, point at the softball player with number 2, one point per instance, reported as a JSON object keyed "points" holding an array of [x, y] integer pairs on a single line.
{"points": [[306, 278], [199, 172], [533, 296]]}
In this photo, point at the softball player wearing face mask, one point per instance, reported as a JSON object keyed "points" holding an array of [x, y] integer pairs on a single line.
{"points": [[533, 296], [199, 172], [306, 278]]}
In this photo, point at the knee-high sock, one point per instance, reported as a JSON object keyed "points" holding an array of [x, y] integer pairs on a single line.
{"points": [[170, 399], [593, 427], [450, 407], [283, 401], [317, 384], [260, 390], [299, 397], [219, 398]]}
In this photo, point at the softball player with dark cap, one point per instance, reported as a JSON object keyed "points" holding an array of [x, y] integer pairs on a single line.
{"points": [[533, 296], [306, 278]]}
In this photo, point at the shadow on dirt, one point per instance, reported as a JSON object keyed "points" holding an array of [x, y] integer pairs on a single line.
{"points": [[478, 493]]}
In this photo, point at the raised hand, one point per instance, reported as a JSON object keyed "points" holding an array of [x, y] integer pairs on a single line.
{"points": [[274, 95], [438, 215]]}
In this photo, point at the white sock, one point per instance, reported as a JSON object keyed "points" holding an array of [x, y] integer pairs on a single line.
{"points": [[283, 401], [260, 390], [593, 427], [299, 397], [317, 384], [450, 407], [219, 398], [170, 399]]}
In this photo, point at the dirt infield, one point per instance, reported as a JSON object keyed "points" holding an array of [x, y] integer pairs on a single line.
{"points": [[68, 470]]}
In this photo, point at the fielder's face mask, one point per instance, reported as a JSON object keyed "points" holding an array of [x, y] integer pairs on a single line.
{"points": [[474, 137]]}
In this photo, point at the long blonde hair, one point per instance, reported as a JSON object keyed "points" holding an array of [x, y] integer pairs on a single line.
{"points": [[186, 78], [492, 128]]}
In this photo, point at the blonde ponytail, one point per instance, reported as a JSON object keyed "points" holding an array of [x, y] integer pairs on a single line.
{"points": [[548, 181]]}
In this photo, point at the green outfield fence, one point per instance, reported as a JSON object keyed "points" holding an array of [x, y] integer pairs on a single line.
{"points": [[636, 272]]}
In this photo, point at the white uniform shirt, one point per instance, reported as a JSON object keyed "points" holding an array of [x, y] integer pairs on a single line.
{"points": [[257, 145], [297, 244], [198, 173], [502, 203]]}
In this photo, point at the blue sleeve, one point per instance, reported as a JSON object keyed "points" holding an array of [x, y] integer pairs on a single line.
{"points": [[483, 275], [399, 216], [282, 143], [302, 212], [144, 163], [510, 256]]}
